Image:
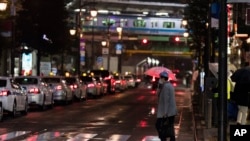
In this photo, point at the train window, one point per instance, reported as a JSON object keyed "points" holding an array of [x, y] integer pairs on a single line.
{"points": [[107, 22], [139, 23], [168, 24], [123, 22]]}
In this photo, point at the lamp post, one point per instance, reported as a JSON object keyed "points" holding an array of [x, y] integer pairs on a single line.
{"points": [[119, 48], [3, 5], [93, 14], [186, 35]]}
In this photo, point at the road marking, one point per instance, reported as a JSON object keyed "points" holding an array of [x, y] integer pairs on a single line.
{"points": [[118, 137], [43, 137], [151, 138], [71, 137], [82, 137], [11, 135]]}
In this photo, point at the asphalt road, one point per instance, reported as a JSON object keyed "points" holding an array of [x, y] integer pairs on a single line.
{"points": [[126, 116]]}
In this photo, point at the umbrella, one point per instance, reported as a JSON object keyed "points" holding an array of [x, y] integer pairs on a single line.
{"points": [[155, 72], [214, 67], [241, 75]]}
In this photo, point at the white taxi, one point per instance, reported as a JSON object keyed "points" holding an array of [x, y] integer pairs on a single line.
{"points": [[13, 97], [39, 93]]}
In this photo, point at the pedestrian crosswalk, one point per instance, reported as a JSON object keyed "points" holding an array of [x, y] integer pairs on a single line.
{"points": [[66, 136]]}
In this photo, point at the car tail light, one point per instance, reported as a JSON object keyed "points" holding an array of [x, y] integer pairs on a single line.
{"points": [[91, 85], [106, 78], [118, 81], [4, 93], [73, 86], [34, 90], [138, 80], [59, 87], [174, 84], [131, 80], [153, 79]]}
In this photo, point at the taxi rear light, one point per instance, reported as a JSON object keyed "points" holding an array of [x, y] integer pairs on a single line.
{"points": [[118, 81], [34, 90], [174, 84], [4, 93], [138, 80], [73, 87], [58, 87], [106, 78], [91, 85]]}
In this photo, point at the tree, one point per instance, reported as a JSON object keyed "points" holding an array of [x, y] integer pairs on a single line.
{"points": [[197, 16], [42, 25]]}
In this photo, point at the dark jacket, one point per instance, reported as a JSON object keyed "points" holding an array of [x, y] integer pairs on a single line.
{"points": [[241, 91]]}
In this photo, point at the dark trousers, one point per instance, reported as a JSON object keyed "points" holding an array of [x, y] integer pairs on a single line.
{"points": [[215, 107], [171, 122]]}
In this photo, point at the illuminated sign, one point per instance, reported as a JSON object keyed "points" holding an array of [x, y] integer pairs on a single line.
{"points": [[26, 63]]}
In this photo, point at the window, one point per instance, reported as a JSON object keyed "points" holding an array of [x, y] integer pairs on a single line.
{"points": [[168, 24], [139, 23], [3, 83], [26, 81]]}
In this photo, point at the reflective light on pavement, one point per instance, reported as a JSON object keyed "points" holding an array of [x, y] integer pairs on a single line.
{"points": [[44, 136], [11, 135]]}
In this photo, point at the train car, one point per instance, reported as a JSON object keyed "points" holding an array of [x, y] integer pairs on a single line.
{"points": [[137, 25]]}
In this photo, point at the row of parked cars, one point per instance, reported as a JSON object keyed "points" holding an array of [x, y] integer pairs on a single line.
{"points": [[20, 93]]}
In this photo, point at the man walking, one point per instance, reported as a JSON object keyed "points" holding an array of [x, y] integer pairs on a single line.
{"points": [[166, 106]]}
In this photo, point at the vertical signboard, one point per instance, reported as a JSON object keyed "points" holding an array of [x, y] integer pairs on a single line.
{"points": [[118, 48], [82, 53], [215, 8], [26, 64]]}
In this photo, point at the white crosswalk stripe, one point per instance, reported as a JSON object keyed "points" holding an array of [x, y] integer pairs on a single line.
{"points": [[117, 137], [43, 137], [13, 134], [82, 137], [151, 138], [67, 136]]}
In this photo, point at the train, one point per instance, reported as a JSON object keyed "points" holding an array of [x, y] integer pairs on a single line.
{"points": [[136, 25]]}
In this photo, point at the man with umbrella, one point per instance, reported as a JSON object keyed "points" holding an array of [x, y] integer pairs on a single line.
{"points": [[240, 94], [166, 109]]}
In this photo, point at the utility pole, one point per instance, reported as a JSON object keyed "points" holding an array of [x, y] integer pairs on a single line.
{"points": [[13, 38], [222, 127]]}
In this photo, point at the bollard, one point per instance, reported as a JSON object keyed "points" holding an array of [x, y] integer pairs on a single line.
{"points": [[209, 114]]}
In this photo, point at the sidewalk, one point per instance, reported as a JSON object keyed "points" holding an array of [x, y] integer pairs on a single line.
{"points": [[191, 124], [204, 133]]}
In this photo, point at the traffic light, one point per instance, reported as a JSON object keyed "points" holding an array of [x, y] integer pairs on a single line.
{"points": [[144, 41], [177, 39]]}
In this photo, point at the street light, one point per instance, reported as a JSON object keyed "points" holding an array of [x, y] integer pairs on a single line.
{"points": [[93, 14], [3, 5], [186, 34], [72, 32], [119, 30], [119, 48]]}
